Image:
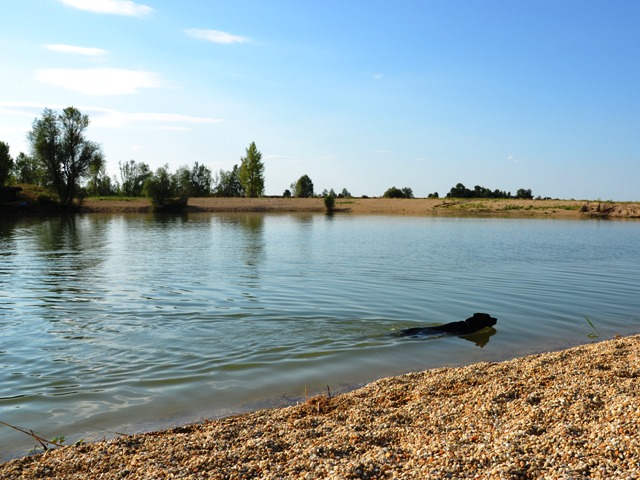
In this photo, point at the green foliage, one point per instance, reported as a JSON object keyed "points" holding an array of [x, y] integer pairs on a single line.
{"points": [[133, 175], [304, 187], [229, 184], [44, 199], [164, 192], [196, 182], [286, 193], [345, 193], [460, 191], [59, 145], [251, 174], [329, 201], [394, 192], [27, 170], [99, 182], [6, 163], [433, 195], [524, 194]]}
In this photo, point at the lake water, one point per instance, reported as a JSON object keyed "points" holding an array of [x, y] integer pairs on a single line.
{"points": [[122, 323]]}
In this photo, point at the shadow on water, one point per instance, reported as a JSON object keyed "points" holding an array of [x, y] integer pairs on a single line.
{"points": [[480, 338]]}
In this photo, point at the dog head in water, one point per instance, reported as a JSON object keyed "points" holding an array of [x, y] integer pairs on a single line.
{"points": [[480, 321]]}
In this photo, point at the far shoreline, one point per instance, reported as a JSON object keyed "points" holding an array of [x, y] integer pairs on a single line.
{"points": [[456, 207], [442, 207]]}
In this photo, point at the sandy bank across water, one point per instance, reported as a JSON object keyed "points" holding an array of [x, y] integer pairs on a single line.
{"points": [[568, 414], [383, 206]]}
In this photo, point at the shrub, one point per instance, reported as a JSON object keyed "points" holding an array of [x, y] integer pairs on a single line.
{"points": [[329, 201], [163, 191]]}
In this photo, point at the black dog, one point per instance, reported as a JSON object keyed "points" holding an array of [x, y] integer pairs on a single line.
{"points": [[465, 327]]}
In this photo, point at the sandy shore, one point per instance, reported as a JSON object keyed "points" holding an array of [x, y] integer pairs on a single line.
{"points": [[418, 206], [568, 414]]}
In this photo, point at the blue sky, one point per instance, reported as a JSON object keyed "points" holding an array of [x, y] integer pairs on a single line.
{"points": [[362, 95]]}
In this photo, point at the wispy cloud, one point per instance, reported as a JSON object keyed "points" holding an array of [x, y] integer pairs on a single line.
{"points": [[216, 36], [167, 121], [108, 118], [86, 51], [100, 81], [114, 7], [277, 157]]}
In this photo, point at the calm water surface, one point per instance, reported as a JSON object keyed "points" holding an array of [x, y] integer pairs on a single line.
{"points": [[127, 323]]}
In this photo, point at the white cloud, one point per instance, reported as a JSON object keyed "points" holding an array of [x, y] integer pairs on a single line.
{"points": [[216, 36], [166, 121], [100, 81], [107, 118], [86, 51], [115, 7], [277, 157]]}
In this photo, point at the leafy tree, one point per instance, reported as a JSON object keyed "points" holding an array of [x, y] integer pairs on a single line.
{"points": [[229, 184], [460, 191], [133, 175], [329, 201], [286, 193], [394, 192], [433, 195], [524, 194], [99, 182], [407, 192], [195, 181], [200, 180], [345, 193], [58, 143], [304, 187], [251, 172], [163, 190], [27, 170], [6, 163]]}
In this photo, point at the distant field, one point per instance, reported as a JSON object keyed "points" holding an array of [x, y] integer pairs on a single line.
{"points": [[418, 206]]}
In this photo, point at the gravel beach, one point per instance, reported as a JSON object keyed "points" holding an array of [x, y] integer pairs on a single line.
{"points": [[571, 414]]}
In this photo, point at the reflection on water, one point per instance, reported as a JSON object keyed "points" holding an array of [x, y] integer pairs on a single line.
{"points": [[124, 323], [480, 338]]}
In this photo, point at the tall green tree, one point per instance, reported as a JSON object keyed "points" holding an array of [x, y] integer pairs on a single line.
{"points": [[304, 187], [59, 144], [6, 163], [99, 182], [195, 181], [133, 175], [163, 190], [26, 169], [228, 184], [251, 172], [524, 193]]}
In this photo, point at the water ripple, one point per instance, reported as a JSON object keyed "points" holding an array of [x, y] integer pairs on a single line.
{"points": [[118, 321]]}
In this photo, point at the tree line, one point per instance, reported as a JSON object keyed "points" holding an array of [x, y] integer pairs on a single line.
{"points": [[64, 161]]}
